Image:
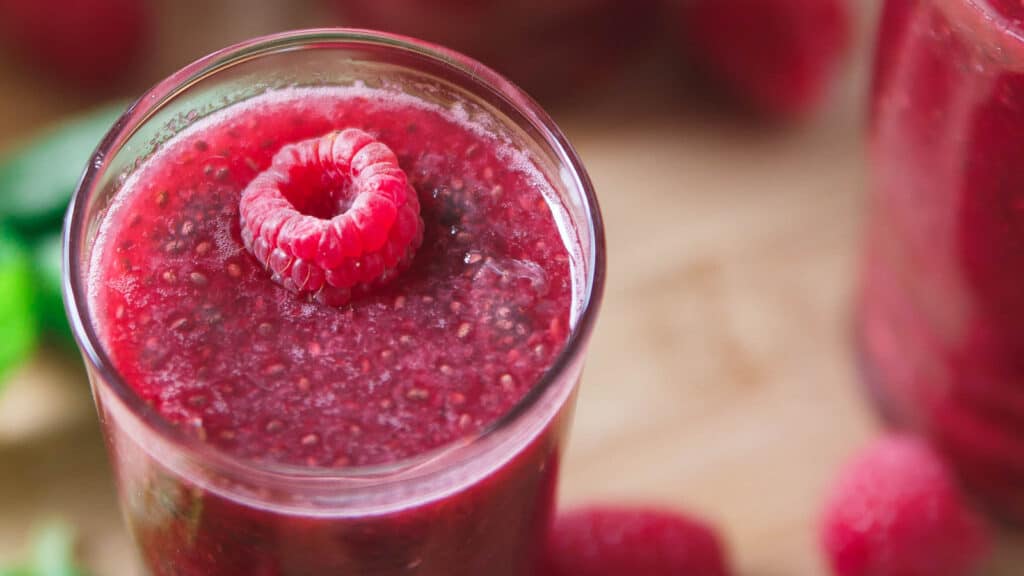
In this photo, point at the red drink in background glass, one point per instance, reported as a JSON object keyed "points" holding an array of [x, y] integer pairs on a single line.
{"points": [[941, 314], [415, 430]]}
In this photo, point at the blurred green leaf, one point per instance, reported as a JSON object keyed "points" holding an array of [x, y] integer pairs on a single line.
{"points": [[36, 181], [49, 302], [53, 554], [18, 328]]}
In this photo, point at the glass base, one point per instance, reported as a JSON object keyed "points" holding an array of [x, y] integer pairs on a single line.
{"points": [[886, 409]]}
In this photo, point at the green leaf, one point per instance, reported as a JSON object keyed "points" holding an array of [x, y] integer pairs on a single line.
{"points": [[18, 327], [48, 255], [54, 552], [36, 182]]}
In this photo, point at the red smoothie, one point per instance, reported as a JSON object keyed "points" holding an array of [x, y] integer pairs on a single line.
{"points": [[198, 328], [941, 313]]}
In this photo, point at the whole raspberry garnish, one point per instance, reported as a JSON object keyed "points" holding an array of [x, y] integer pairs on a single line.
{"points": [[332, 216], [618, 541], [896, 511], [777, 56]]}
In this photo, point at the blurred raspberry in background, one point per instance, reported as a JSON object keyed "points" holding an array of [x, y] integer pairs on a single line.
{"points": [[549, 48], [83, 44], [778, 58]]}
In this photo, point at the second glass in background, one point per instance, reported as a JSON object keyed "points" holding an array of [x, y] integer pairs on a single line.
{"points": [[941, 311]]}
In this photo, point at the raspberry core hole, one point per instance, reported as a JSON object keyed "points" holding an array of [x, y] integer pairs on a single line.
{"points": [[318, 192]]}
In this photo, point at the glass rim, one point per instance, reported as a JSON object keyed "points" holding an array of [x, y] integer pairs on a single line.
{"points": [[1001, 35], [486, 84]]}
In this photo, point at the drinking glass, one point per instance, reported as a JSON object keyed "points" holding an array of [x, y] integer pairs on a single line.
{"points": [[941, 310], [479, 506]]}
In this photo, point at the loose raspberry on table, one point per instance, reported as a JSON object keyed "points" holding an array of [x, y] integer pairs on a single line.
{"points": [[617, 541], [332, 216], [897, 511]]}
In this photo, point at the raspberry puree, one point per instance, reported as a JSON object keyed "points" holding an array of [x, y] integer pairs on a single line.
{"points": [[198, 328]]}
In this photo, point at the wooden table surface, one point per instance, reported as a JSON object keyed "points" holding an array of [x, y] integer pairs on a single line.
{"points": [[721, 377]]}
